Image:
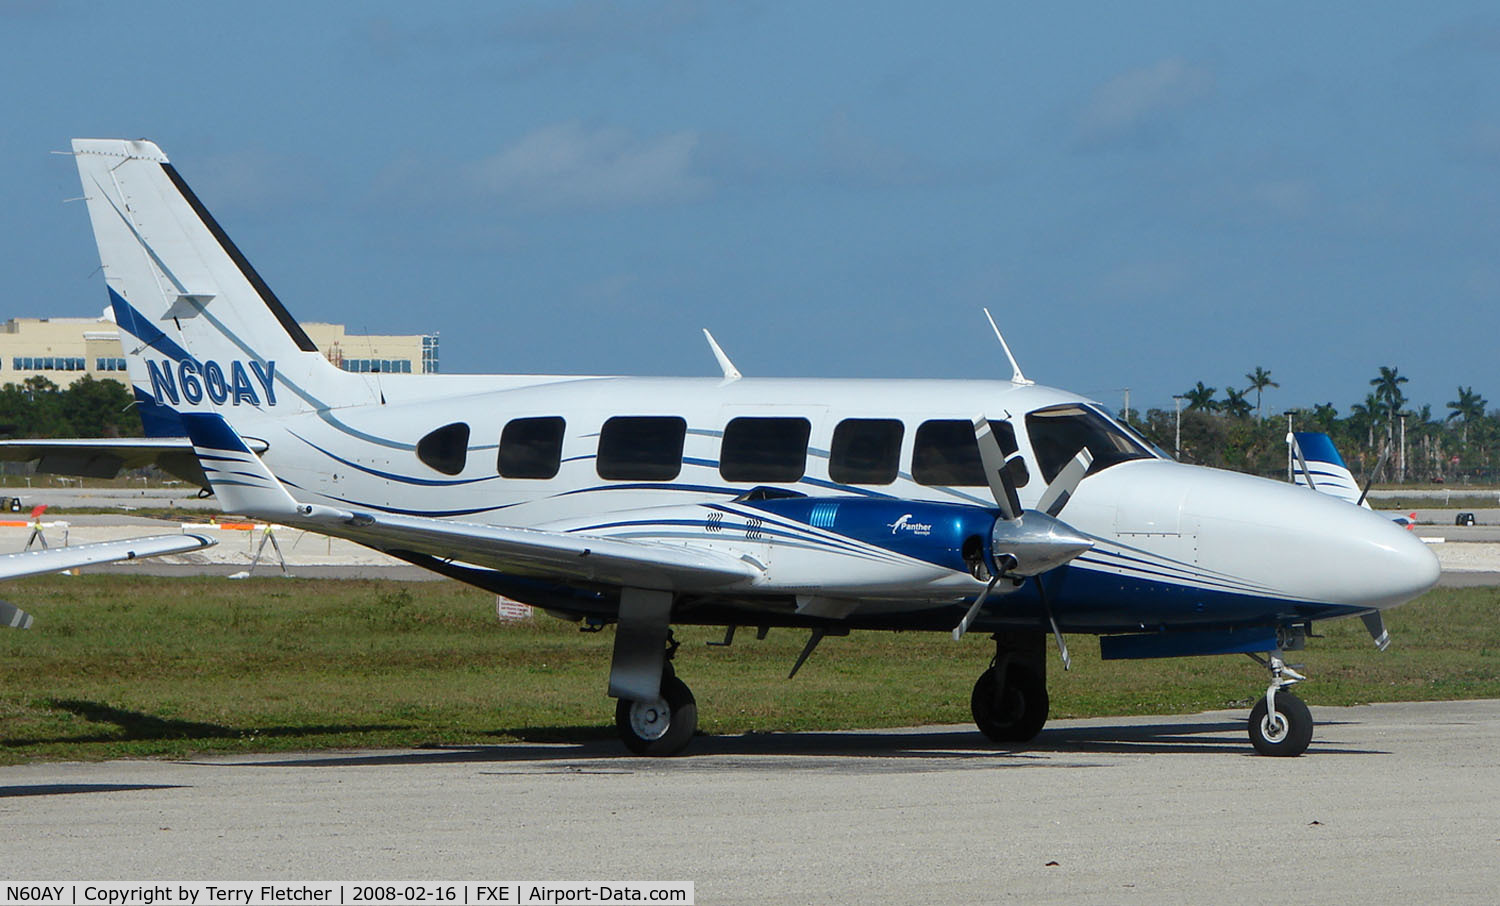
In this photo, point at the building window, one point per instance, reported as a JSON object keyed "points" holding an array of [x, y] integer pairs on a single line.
{"points": [[430, 354], [109, 364], [445, 449], [865, 451], [531, 447], [380, 366], [641, 448], [764, 449]]}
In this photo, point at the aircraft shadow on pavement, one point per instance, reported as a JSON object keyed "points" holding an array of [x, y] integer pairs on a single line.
{"points": [[138, 725], [555, 744], [62, 789]]}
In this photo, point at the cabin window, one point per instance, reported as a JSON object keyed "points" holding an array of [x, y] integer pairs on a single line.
{"points": [[764, 449], [946, 454], [865, 451], [641, 448], [531, 447], [445, 449], [1058, 433]]}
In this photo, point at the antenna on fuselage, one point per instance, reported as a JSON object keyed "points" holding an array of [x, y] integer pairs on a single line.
{"points": [[731, 373], [1016, 376]]}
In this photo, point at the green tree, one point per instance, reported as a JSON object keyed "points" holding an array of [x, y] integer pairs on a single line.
{"points": [[1388, 391], [1201, 398], [1325, 416], [101, 408], [1469, 407], [1259, 380], [1235, 403]]}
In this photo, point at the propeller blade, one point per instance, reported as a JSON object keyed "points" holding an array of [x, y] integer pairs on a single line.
{"points": [[1062, 646], [13, 616], [963, 625], [1060, 491], [995, 472]]}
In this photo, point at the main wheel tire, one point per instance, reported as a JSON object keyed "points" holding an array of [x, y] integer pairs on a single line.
{"points": [[1285, 734], [1015, 713], [661, 727]]}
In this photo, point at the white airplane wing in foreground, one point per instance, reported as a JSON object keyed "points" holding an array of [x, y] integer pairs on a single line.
{"points": [[30, 563], [242, 483]]}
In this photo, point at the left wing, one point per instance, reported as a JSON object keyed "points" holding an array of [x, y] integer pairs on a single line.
{"points": [[30, 563], [243, 484]]}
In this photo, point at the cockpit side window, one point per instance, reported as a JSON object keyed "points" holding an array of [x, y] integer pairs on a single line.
{"points": [[1058, 433]]}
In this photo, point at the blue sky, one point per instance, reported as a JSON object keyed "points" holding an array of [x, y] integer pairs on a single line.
{"points": [[1145, 195]]}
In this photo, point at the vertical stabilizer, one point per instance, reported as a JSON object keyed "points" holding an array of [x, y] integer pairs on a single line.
{"points": [[1318, 465], [200, 328]]}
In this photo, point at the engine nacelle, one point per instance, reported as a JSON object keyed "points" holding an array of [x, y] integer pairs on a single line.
{"points": [[950, 535]]}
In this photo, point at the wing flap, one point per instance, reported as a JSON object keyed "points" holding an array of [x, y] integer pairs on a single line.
{"points": [[561, 555]]}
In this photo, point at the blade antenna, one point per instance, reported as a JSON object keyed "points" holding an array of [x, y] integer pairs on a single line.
{"points": [[1370, 479], [731, 373], [1016, 376]]}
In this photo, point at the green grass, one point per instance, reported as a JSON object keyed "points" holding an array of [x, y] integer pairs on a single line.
{"points": [[145, 666]]}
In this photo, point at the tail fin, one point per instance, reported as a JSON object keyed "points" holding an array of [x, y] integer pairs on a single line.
{"points": [[1319, 466], [200, 328]]}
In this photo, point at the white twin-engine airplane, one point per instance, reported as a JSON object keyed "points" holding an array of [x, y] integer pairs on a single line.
{"points": [[1002, 507]]}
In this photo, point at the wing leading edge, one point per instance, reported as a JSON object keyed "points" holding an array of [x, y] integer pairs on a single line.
{"points": [[243, 484]]}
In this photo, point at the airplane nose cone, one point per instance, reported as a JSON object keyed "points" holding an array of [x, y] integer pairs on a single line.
{"points": [[1306, 545]]}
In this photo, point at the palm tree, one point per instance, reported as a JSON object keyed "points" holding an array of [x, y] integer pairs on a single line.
{"points": [[1469, 406], [1388, 391], [1259, 380], [1369, 415], [1324, 414], [1235, 403], [1201, 398]]}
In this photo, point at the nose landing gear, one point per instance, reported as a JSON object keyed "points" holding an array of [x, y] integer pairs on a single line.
{"points": [[1280, 724]]}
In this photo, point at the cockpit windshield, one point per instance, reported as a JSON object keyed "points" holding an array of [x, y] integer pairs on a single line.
{"points": [[1059, 432]]}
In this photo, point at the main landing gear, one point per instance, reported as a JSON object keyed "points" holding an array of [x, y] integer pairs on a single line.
{"points": [[1280, 724], [1010, 702], [662, 726], [656, 713]]}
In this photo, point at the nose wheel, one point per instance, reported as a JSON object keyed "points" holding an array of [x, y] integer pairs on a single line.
{"points": [[1280, 723]]}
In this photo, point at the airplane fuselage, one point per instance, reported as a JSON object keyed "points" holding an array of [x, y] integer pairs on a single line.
{"points": [[1175, 545]]}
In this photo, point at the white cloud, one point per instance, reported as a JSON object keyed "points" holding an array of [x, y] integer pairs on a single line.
{"points": [[570, 166], [1134, 103]]}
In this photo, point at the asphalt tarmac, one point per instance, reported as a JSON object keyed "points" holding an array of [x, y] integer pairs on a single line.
{"points": [[1392, 803]]}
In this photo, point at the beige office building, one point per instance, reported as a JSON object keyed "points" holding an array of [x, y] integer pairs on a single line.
{"points": [[65, 349]]}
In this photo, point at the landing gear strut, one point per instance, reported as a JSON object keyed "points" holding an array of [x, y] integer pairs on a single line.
{"points": [[656, 713], [1010, 702], [1280, 724]]}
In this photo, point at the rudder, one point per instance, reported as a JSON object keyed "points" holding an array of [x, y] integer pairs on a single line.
{"points": [[200, 328]]}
